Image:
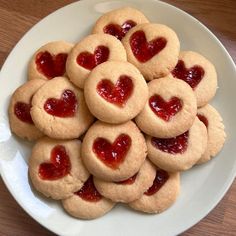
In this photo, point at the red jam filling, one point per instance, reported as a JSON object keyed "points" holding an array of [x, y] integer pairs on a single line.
{"points": [[51, 65], [117, 94], [113, 154], [165, 110], [89, 192], [128, 181], [119, 31], [143, 50], [64, 107], [203, 119], [89, 60], [176, 145], [160, 179], [192, 76], [59, 167], [22, 112]]}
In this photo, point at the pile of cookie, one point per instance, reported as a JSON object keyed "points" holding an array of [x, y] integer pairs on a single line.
{"points": [[145, 133]]}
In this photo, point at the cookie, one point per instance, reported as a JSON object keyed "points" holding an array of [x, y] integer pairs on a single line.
{"points": [[153, 49], [49, 61], [199, 73], [119, 21], [59, 110], [20, 119], [170, 109], [215, 130], [129, 189], [113, 152], [179, 153], [87, 203], [161, 195], [112, 92], [56, 169], [90, 52]]}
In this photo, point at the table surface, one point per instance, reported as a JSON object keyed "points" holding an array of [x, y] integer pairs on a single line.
{"points": [[18, 16]]}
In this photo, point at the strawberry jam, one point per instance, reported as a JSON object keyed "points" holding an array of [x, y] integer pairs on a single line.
{"points": [[203, 119], [128, 181], [22, 112]]}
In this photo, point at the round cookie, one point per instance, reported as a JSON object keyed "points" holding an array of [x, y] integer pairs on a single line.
{"points": [[119, 21], [49, 61], [90, 52], [179, 153], [59, 110], [20, 119], [170, 110], [153, 49], [113, 152], [161, 195], [199, 73], [215, 130], [87, 203], [112, 92], [129, 189], [56, 168]]}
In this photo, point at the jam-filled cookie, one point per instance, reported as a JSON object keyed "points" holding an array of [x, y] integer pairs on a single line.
{"points": [[170, 109], [59, 110], [161, 195], [113, 152], [56, 168], [130, 189], [181, 152], [21, 122], [153, 49], [119, 21], [215, 130], [49, 61], [199, 73], [112, 92], [87, 203], [90, 52]]}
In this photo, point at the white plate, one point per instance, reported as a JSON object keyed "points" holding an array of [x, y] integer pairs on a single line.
{"points": [[202, 187]]}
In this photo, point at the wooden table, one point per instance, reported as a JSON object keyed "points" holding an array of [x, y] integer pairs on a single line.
{"points": [[18, 16]]}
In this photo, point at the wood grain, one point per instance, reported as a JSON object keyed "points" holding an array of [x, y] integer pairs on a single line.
{"points": [[18, 16]]}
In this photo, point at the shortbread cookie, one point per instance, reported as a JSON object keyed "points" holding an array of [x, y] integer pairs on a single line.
{"points": [[112, 92], [153, 49], [161, 195], [129, 189], [90, 52], [215, 130], [170, 110], [119, 21], [199, 73], [181, 152], [20, 119], [59, 110], [113, 152], [49, 61], [87, 203], [56, 168]]}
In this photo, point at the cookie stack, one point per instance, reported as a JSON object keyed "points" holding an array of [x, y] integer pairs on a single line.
{"points": [[150, 102]]}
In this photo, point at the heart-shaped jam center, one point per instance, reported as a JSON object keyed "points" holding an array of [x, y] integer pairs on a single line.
{"points": [[192, 76], [128, 181], [119, 31], [88, 192], [176, 145], [165, 110], [160, 179], [51, 65], [143, 50], [22, 112], [90, 60], [117, 94], [203, 119], [64, 107], [113, 154], [59, 165]]}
